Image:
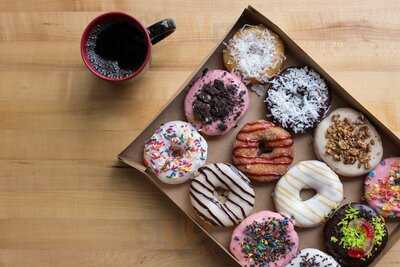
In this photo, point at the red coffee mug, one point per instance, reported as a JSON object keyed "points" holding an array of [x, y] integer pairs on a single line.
{"points": [[152, 35]]}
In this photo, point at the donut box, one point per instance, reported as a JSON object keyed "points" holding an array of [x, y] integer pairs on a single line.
{"points": [[220, 147]]}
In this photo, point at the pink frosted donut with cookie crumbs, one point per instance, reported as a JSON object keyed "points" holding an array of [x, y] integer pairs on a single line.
{"points": [[382, 188], [264, 239], [215, 102]]}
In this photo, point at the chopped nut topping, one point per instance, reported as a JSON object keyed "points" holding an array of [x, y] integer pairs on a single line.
{"points": [[349, 142]]}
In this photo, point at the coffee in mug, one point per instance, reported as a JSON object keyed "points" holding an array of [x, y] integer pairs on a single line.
{"points": [[115, 46]]}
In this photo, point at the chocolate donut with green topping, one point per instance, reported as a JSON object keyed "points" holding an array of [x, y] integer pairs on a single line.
{"points": [[355, 235]]}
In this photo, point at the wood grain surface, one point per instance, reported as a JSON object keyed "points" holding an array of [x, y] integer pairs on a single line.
{"points": [[64, 198]]}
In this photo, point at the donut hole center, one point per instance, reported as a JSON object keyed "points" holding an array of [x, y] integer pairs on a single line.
{"points": [[176, 151], [263, 148], [307, 193], [301, 91], [221, 194]]}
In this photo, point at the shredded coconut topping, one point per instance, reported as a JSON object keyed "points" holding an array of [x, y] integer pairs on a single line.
{"points": [[298, 99], [254, 52]]}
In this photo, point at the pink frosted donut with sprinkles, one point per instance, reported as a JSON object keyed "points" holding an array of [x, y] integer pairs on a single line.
{"points": [[264, 239], [382, 188], [174, 152]]}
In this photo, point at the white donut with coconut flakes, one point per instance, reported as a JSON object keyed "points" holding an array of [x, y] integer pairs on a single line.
{"points": [[348, 170], [310, 174]]}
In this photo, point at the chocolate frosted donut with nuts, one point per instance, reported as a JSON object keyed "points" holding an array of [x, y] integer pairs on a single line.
{"points": [[348, 143], [297, 99]]}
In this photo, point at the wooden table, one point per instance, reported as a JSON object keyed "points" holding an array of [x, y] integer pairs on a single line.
{"points": [[64, 199]]}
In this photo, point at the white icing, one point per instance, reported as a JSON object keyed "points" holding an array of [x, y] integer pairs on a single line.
{"points": [[315, 256], [239, 200], [159, 149], [347, 170], [254, 52], [292, 109], [304, 175]]}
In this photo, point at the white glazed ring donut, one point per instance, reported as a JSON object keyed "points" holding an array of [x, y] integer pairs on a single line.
{"points": [[311, 174], [221, 195], [313, 257], [175, 151]]}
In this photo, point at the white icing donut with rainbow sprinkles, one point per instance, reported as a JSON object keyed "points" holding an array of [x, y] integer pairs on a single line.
{"points": [[174, 152]]}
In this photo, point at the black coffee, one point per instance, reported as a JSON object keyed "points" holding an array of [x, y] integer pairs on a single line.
{"points": [[116, 49]]}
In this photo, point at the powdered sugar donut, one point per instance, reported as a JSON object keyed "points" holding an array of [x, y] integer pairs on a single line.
{"points": [[312, 257], [382, 188], [297, 99], [222, 195], [308, 174], [175, 151], [348, 143], [216, 101], [254, 53], [264, 239]]}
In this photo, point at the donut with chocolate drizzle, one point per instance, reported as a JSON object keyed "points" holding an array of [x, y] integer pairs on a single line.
{"points": [[221, 195]]}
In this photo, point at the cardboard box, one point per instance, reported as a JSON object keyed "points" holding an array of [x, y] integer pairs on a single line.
{"points": [[220, 148]]}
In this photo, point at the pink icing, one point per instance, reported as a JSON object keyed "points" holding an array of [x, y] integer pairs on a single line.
{"points": [[382, 188], [238, 237], [228, 79]]}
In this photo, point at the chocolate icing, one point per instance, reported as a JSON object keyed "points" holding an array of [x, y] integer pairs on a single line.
{"points": [[333, 234]]}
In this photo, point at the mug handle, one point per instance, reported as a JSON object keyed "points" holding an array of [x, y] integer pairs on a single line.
{"points": [[161, 29]]}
